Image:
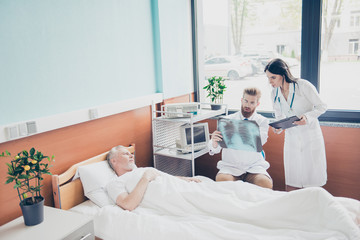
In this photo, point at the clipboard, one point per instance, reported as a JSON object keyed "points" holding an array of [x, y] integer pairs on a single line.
{"points": [[285, 123]]}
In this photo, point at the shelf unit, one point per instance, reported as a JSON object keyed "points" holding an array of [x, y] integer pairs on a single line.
{"points": [[167, 158]]}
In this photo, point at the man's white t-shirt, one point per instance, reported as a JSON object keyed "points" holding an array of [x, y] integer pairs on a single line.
{"points": [[124, 183]]}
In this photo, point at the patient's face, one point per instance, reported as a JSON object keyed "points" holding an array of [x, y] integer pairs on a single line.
{"points": [[125, 160], [248, 105]]}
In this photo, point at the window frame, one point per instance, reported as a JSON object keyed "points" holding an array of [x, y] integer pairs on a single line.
{"points": [[353, 46], [310, 57]]}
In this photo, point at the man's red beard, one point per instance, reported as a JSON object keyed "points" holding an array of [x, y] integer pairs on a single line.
{"points": [[247, 114]]}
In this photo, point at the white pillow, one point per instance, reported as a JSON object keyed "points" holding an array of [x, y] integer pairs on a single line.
{"points": [[94, 178], [100, 197]]}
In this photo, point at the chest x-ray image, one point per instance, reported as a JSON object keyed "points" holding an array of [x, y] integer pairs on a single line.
{"points": [[240, 135]]}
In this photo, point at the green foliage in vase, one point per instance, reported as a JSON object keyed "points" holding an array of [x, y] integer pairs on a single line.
{"points": [[25, 170], [215, 88]]}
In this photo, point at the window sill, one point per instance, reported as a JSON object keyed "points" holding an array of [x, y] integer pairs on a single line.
{"points": [[322, 123], [340, 124]]}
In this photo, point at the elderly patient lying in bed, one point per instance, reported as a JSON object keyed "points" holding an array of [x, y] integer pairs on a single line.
{"points": [[122, 162], [305, 210]]}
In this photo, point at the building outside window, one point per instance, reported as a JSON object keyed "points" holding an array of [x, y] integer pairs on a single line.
{"points": [[353, 46], [355, 19], [340, 62], [249, 34]]}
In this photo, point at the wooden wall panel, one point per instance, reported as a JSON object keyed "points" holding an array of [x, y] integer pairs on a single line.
{"points": [[75, 143], [274, 155], [343, 161], [180, 99], [206, 164]]}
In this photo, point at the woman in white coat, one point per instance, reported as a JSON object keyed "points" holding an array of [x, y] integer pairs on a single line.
{"points": [[304, 148]]}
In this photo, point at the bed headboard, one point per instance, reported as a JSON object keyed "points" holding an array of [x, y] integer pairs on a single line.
{"points": [[68, 193]]}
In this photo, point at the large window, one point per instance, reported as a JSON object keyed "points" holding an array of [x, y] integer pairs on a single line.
{"points": [[238, 37], [241, 36], [340, 56]]}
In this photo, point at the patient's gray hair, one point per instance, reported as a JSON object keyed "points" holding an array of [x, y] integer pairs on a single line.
{"points": [[113, 153]]}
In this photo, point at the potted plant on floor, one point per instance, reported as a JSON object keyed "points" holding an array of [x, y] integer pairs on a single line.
{"points": [[26, 170], [215, 88]]}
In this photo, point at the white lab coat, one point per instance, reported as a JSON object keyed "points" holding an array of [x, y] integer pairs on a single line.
{"points": [[238, 162], [304, 148]]}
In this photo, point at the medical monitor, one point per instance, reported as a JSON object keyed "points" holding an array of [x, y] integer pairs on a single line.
{"points": [[200, 137]]}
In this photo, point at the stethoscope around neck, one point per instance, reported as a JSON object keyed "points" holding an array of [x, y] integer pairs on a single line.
{"points": [[292, 99]]}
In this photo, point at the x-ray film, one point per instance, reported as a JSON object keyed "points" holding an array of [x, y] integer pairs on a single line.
{"points": [[240, 134]]}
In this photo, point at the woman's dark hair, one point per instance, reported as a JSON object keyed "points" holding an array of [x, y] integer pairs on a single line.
{"points": [[279, 67]]}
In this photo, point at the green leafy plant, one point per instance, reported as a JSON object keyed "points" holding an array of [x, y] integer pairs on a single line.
{"points": [[215, 88], [26, 170]]}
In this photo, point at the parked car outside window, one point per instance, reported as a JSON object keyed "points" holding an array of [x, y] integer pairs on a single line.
{"points": [[232, 67], [261, 58]]}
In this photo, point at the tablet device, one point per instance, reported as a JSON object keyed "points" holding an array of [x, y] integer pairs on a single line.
{"points": [[285, 123]]}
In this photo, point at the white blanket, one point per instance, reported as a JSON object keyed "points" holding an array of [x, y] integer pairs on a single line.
{"points": [[175, 209]]}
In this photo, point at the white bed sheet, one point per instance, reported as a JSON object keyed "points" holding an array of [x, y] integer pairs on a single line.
{"points": [[249, 212]]}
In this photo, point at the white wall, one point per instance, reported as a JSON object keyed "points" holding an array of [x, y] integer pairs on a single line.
{"points": [[176, 47], [61, 59], [61, 56]]}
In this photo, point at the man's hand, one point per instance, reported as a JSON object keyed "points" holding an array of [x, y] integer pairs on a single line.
{"points": [[190, 179], [215, 138], [130, 201], [150, 174]]}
